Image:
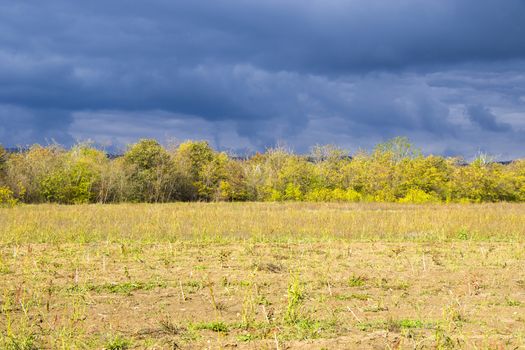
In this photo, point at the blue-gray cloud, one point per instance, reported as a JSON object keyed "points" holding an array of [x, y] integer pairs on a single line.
{"points": [[483, 117], [248, 74]]}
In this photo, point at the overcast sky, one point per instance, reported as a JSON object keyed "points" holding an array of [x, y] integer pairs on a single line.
{"points": [[247, 74]]}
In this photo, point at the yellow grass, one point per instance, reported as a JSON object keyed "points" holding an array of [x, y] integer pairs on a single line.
{"points": [[264, 222]]}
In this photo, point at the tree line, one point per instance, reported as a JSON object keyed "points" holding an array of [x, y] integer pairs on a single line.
{"points": [[193, 171]]}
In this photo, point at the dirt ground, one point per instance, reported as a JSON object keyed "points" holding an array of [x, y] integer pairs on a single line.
{"points": [[331, 295]]}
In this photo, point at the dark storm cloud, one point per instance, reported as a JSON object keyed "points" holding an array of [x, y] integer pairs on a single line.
{"points": [[483, 117], [22, 126], [254, 72]]}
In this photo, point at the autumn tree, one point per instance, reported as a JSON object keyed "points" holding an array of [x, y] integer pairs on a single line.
{"points": [[514, 176], [27, 171], [203, 169], [329, 160], [151, 172], [394, 171], [3, 161], [76, 178], [480, 181]]}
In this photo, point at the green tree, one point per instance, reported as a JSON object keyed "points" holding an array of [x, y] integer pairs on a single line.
{"points": [[204, 169], [193, 156], [151, 172], [26, 171], [515, 176], [282, 175], [115, 184], [429, 175], [329, 160], [234, 187], [76, 177], [372, 175], [395, 172], [3, 164], [399, 148], [480, 181]]}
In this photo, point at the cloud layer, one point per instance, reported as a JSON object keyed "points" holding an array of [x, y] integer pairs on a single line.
{"points": [[449, 74]]}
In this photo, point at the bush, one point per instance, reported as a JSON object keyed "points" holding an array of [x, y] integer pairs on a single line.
{"points": [[418, 196], [352, 195], [275, 196], [319, 195], [335, 195], [6, 198], [292, 193]]}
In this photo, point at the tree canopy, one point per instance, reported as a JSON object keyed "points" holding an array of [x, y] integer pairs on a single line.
{"points": [[394, 171]]}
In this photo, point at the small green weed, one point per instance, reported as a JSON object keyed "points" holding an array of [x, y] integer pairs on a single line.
{"points": [[393, 325], [20, 342], [463, 234], [246, 337], [295, 297], [116, 288], [219, 327], [356, 281], [512, 302], [352, 296], [117, 343]]}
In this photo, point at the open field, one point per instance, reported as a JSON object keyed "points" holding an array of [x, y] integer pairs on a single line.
{"points": [[262, 275]]}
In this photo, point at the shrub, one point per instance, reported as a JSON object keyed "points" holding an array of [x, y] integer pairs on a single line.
{"points": [[292, 193], [117, 343], [418, 196], [6, 197], [275, 196], [352, 195], [319, 195], [335, 195]]}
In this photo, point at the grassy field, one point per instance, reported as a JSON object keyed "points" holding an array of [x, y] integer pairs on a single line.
{"points": [[263, 276]]}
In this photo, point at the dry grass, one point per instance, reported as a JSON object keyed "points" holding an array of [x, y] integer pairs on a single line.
{"points": [[259, 275], [261, 222]]}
